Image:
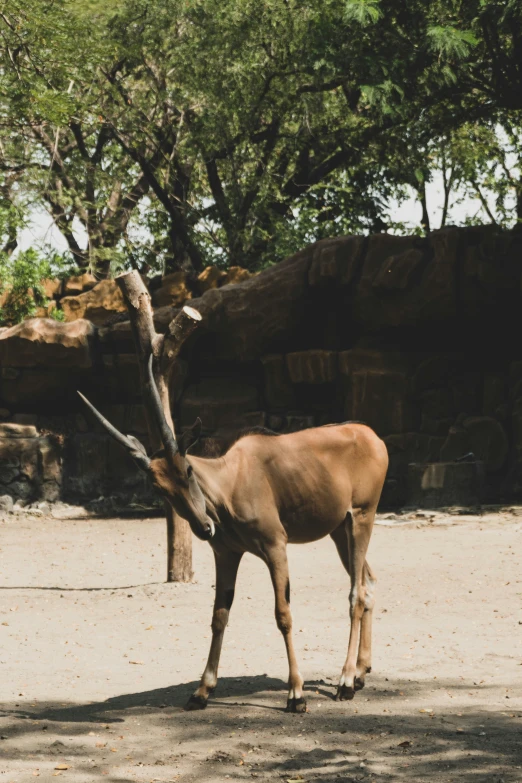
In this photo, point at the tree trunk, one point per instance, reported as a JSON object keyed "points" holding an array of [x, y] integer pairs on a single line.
{"points": [[165, 349], [425, 220]]}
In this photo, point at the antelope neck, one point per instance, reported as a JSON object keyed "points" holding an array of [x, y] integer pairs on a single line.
{"points": [[211, 475]]}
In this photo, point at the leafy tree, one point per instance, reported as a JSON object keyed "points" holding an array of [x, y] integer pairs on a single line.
{"points": [[54, 137], [184, 132]]}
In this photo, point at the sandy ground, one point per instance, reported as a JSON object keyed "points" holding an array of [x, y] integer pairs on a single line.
{"points": [[98, 656]]}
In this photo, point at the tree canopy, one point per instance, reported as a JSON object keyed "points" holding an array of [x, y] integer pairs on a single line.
{"points": [[162, 134]]}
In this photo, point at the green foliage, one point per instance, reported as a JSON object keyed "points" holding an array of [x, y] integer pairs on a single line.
{"points": [[364, 12], [450, 42], [176, 134], [21, 291], [57, 315]]}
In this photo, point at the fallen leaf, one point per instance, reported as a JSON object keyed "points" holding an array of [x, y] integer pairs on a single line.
{"points": [[61, 766], [405, 744], [426, 710], [137, 662]]}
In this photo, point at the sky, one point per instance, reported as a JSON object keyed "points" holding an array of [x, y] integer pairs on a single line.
{"points": [[41, 229]]}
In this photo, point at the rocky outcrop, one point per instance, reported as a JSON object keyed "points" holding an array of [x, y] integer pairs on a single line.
{"points": [[264, 311], [173, 292], [42, 342], [213, 277], [79, 284], [97, 305], [412, 336]]}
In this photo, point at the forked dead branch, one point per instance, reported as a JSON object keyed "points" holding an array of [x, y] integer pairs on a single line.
{"points": [[264, 493]]}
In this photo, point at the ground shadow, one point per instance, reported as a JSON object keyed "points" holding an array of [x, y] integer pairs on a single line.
{"points": [[245, 724], [161, 698]]}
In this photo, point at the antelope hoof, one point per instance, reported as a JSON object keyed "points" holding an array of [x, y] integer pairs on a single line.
{"points": [[196, 703], [296, 705], [359, 684], [345, 693]]}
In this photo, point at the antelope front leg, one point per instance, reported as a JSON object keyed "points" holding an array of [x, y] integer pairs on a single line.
{"points": [[227, 564], [278, 565]]}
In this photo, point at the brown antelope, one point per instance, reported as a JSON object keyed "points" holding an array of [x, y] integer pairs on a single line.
{"points": [[264, 493]]}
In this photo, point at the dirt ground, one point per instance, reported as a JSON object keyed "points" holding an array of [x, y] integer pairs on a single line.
{"points": [[98, 656]]}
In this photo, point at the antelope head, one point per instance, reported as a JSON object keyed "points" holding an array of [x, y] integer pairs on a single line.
{"points": [[170, 471]]}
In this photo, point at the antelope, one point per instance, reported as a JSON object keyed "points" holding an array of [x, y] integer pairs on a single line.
{"points": [[267, 491]]}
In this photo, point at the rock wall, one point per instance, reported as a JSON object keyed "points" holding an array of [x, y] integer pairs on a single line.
{"points": [[416, 337]]}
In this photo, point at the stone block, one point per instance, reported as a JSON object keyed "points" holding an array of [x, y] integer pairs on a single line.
{"points": [[467, 393], [435, 485], [251, 319], [50, 454], [52, 287], [313, 367], [29, 464], [434, 372], [210, 277], [278, 391], [117, 337], [438, 403], [299, 421], [381, 400], [358, 359], [91, 456], [11, 430], [219, 403], [7, 475], [275, 422], [136, 420], [6, 504], [435, 426], [22, 490], [422, 291], [235, 275], [494, 395], [9, 373], [98, 305], [29, 419], [482, 436], [400, 271], [411, 447], [42, 342], [241, 424], [174, 291], [121, 467], [336, 260], [51, 491], [41, 388], [78, 284]]}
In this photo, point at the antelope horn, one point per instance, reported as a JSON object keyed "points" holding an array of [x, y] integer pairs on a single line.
{"points": [[166, 434], [133, 446]]}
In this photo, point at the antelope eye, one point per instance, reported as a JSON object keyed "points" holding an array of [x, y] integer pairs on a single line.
{"points": [[189, 471]]}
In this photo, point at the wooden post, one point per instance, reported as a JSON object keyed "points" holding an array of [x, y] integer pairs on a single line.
{"points": [[165, 349]]}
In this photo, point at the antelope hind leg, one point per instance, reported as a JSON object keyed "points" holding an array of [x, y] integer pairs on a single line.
{"points": [[352, 541], [364, 657]]}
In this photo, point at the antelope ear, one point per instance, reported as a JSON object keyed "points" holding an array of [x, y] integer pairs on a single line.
{"points": [[190, 437]]}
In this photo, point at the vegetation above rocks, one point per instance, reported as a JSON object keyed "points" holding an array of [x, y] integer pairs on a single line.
{"points": [[166, 134]]}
